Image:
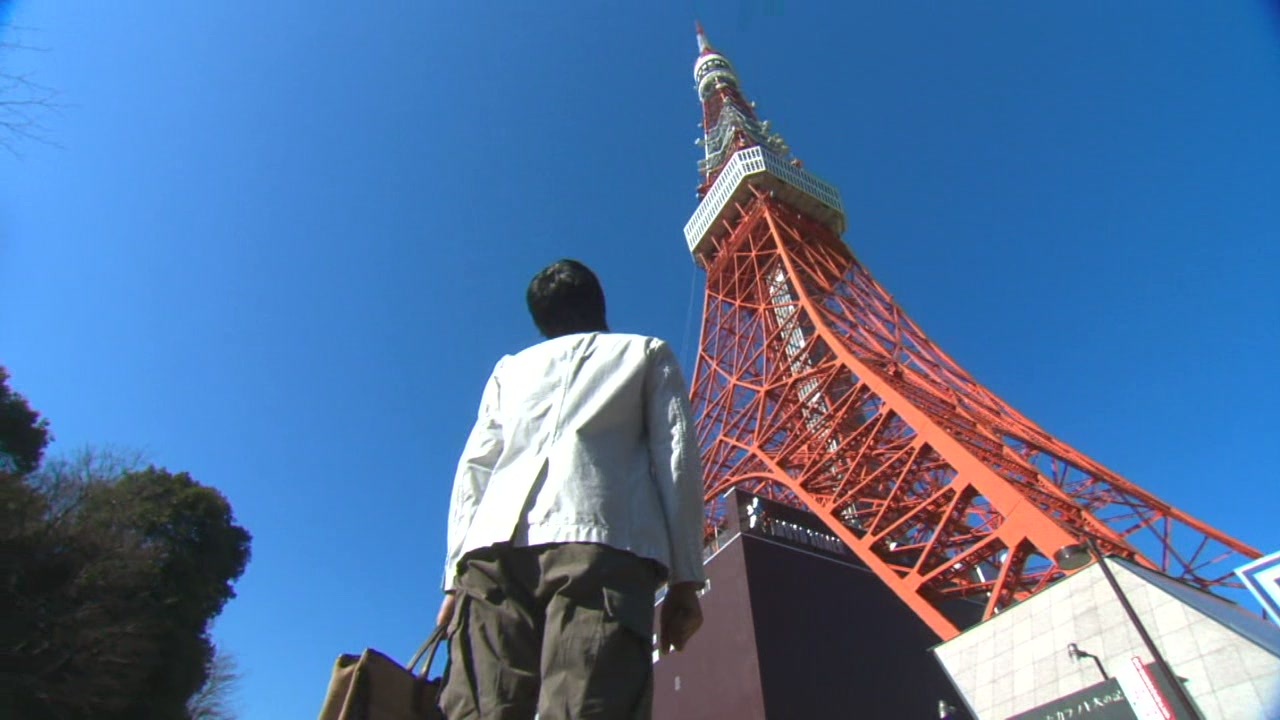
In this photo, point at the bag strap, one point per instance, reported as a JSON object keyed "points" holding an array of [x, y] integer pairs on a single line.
{"points": [[428, 649]]}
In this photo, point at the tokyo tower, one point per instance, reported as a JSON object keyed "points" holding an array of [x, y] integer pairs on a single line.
{"points": [[814, 388]]}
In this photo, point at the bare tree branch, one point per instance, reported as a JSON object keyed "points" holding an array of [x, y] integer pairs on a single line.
{"points": [[216, 699], [63, 480], [23, 101]]}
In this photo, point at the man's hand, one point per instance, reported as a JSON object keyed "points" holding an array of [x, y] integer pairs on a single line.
{"points": [[446, 609], [681, 617]]}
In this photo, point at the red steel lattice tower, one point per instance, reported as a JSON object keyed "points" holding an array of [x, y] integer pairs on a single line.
{"points": [[814, 388]]}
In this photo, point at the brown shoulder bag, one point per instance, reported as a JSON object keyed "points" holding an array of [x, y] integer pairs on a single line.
{"points": [[372, 686]]}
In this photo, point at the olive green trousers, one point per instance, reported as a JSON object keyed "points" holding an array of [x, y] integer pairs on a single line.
{"points": [[564, 631]]}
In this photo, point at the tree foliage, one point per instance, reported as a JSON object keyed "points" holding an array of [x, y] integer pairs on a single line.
{"points": [[23, 433], [111, 573]]}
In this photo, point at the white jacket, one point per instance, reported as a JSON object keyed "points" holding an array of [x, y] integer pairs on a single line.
{"points": [[583, 438]]}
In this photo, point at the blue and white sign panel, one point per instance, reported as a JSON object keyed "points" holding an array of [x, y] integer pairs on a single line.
{"points": [[1262, 577]]}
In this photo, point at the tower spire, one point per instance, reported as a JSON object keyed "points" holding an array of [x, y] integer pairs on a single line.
{"points": [[729, 121], [704, 45]]}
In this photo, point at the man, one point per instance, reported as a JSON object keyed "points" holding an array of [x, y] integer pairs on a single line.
{"points": [[578, 494]]}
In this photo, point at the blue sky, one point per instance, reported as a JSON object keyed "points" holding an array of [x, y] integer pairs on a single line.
{"points": [[282, 248]]}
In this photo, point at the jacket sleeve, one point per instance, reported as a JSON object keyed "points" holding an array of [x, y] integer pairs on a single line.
{"points": [[481, 452], [677, 467]]}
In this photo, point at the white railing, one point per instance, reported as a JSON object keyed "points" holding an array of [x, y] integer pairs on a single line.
{"points": [[801, 179], [746, 163]]}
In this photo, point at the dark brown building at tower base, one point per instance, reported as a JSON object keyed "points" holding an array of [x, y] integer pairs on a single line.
{"points": [[797, 628]]}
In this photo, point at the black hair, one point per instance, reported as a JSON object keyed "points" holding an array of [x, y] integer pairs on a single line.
{"points": [[565, 298]]}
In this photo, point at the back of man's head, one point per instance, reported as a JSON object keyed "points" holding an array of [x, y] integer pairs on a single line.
{"points": [[566, 298]]}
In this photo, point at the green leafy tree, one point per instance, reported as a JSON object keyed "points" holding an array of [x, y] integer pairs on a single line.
{"points": [[111, 573], [23, 433]]}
